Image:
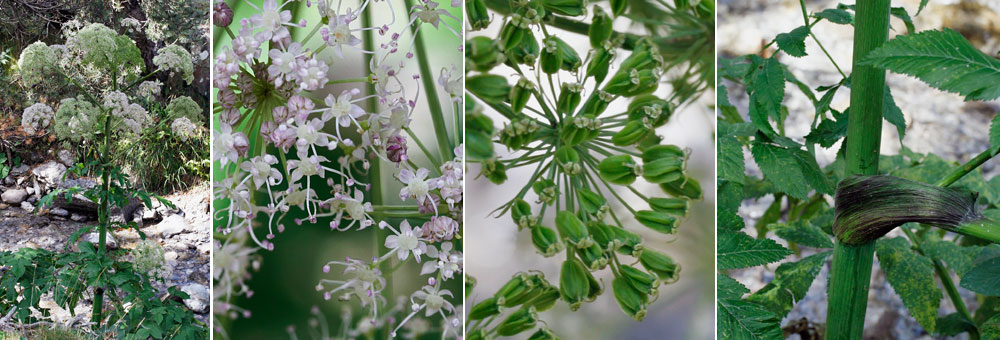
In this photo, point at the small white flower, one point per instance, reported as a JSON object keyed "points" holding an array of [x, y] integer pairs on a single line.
{"points": [[262, 170], [35, 117], [342, 110], [406, 241], [417, 186]]}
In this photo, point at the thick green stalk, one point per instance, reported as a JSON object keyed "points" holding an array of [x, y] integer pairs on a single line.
{"points": [[375, 170], [851, 270], [427, 76], [966, 168], [103, 215]]}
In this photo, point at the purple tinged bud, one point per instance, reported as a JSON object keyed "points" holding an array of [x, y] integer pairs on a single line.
{"points": [[396, 149], [222, 15]]}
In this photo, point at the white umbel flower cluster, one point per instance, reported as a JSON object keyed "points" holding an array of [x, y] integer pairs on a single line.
{"points": [[149, 88], [133, 116], [36, 117], [174, 58], [183, 128]]}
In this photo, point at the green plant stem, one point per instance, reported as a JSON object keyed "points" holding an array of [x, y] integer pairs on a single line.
{"points": [[966, 168], [102, 227], [375, 170], [850, 274], [349, 80], [437, 111]]}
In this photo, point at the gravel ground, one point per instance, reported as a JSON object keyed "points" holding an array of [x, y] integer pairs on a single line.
{"points": [[937, 122]]}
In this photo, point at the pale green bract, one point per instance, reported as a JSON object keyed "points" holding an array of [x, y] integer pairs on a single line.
{"points": [[174, 58], [76, 119], [95, 43], [184, 107]]}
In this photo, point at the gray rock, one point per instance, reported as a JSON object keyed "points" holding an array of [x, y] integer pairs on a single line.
{"points": [[95, 238], [50, 173], [198, 297], [30, 190], [27, 206], [14, 196], [59, 212], [173, 225], [78, 217], [19, 170], [66, 157]]}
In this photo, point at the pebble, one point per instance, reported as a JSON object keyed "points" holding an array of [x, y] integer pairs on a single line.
{"points": [[14, 196], [198, 297], [173, 225]]}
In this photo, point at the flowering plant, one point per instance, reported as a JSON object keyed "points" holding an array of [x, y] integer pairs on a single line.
{"points": [[302, 148], [555, 121]]}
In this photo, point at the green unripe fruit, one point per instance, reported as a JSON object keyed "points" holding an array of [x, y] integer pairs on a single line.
{"points": [[579, 129], [629, 243], [543, 334], [525, 52], [658, 152], [600, 62], [632, 301], [569, 160], [596, 104], [601, 27], [618, 7], [546, 241], [520, 94], [521, 320], [603, 237], [593, 257], [570, 59], [479, 334], [572, 230], [479, 18], [482, 54], [659, 221], [478, 132], [546, 190], [650, 109], [565, 7], [546, 298], [673, 206], [551, 59], [684, 186], [640, 280], [470, 283], [660, 264], [682, 4], [706, 9], [521, 213], [633, 82], [495, 171], [520, 289], [485, 309], [591, 202], [573, 283], [619, 169], [489, 88], [663, 170], [569, 97], [633, 132], [518, 133]]}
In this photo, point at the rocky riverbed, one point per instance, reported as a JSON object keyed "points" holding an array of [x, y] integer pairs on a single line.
{"points": [[183, 232]]}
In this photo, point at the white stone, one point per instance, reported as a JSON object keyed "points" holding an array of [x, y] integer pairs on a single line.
{"points": [[78, 217], [14, 196], [95, 238], [66, 157], [50, 173], [59, 212], [173, 225], [27, 206], [198, 297]]}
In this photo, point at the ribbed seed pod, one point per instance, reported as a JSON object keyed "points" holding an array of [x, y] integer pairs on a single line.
{"points": [[660, 264], [651, 109], [569, 97], [482, 54], [661, 222], [546, 190], [546, 298], [521, 213], [591, 202], [600, 28], [631, 133], [673, 206], [546, 241], [640, 280], [600, 62], [479, 18], [565, 7], [593, 257], [633, 82], [490, 88], [572, 229], [495, 171], [543, 334], [685, 186], [521, 320], [619, 169], [520, 94], [569, 160], [632, 301], [485, 309], [573, 283]]}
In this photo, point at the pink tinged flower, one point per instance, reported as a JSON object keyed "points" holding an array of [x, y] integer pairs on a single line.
{"points": [[260, 168], [299, 107], [339, 34], [417, 187], [440, 228], [445, 260], [309, 134], [312, 74], [429, 205], [246, 46], [395, 149], [271, 17], [284, 63], [406, 241], [342, 110], [229, 146], [309, 166]]}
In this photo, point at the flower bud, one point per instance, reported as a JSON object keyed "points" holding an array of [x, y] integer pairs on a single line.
{"points": [[521, 320], [573, 283], [489, 88], [658, 221], [485, 309], [596, 104], [593, 257], [640, 280], [482, 54], [569, 160], [479, 18], [660, 264], [600, 62], [632, 82], [521, 213], [543, 334], [569, 98], [652, 109], [673, 206], [619, 169], [618, 7], [546, 241], [579, 129], [565, 7], [684, 186], [631, 133], [520, 94], [601, 27], [222, 15], [632, 301], [572, 229], [546, 190], [495, 171], [591, 202], [551, 59]]}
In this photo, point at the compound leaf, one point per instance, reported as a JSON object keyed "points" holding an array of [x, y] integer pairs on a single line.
{"points": [[739, 250], [912, 277], [794, 42], [790, 284], [802, 233], [982, 277], [742, 320]]}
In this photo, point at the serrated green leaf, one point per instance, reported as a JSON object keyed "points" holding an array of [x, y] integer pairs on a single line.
{"points": [[923, 3], [814, 175], [953, 324], [739, 250], [787, 169], [985, 272], [790, 284], [995, 133], [794, 42], [901, 13], [802, 233], [942, 59], [837, 16], [729, 288], [730, 155], [991, 328], [956, 257], [741, 320], [768, 83], [828, 131], [911, 275], [892, 113]]}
